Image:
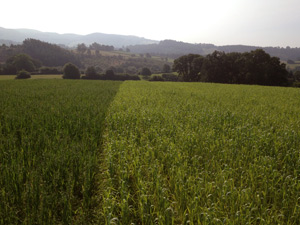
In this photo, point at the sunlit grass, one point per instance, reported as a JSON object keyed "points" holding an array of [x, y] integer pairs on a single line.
{"points": [[192, 153], [159, 153]]}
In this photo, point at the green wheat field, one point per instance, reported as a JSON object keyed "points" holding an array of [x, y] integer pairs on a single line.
{"points": [[137, 152]]}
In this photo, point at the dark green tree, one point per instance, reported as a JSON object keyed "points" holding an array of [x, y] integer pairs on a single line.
{"points": [[156, 78], [110, 72], [146, 72], [48, 54], [82, 48], [21, 62], [219, 67], [255, 67], [91, 73], [189, 67], [297, 75], [70, 71], [260, 68], [95, 46], [166, 68]]}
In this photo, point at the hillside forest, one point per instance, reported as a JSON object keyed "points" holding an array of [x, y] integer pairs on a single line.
{"points": [[253, 67]]}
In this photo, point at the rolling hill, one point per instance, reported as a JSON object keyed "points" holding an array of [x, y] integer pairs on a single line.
{"points": [[70, 40], [139, 45]]}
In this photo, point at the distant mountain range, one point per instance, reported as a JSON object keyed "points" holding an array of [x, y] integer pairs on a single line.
{"points": [[139, 45], [13, 36]]}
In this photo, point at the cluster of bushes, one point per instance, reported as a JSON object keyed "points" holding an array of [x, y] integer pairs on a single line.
{"points": [[19, 62], [120, 77], [49, 70], [70, 71], [295, 79], [165, 77], [22, 61], [23, 74]]}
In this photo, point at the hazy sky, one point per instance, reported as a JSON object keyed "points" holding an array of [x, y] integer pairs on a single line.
{"points": [[220, 22]]}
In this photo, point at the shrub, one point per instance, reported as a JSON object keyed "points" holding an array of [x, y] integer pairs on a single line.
{"points": [[23, 74], [166, 68], [296, 84], [50, 70], [156, 78], [21, 62], [146, 71], [297, 75], [110, 72], [91, 74], [71, 71], [169, 77], [120, 77]]}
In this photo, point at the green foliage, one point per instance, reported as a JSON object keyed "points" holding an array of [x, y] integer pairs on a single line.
{"points": [[166, 68], [297, 75], [81, 48], [296, 84], [175, 49], [49, 70], [70, 71], [91, 72], [156, 78], [20, 62], [198, 153], [109, 73], [48, 54], [169, 77], [99, 47], [120, 77], [189, 67], [171, 48], [146, 72], [256, 67], [23, 74], [50, 150]]}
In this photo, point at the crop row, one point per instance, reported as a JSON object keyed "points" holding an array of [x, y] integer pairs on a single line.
{"points": [[98, 152], [50, 147], [190, 153]]}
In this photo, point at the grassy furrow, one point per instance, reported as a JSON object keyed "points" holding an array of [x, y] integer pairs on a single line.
{"points": [[50, 142], [192, 153]]}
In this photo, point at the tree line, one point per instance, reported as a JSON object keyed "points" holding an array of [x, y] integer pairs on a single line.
{"points": [[82, 48], [50, 58], [174, 49], [44, 53], [255, 67], [70, 71]]}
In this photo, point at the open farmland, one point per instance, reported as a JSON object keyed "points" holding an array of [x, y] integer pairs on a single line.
{"points": [[98, 152], [50, 142], [192, 153], [52, 76]]}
